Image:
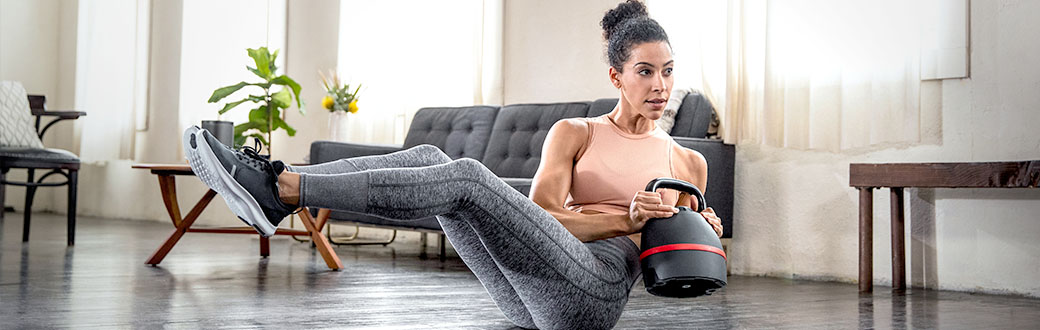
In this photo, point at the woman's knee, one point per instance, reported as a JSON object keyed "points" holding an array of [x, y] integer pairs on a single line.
{"points": [[433, 152], [473, 166]]}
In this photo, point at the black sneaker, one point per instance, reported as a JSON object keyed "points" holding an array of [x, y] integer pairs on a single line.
{"points": [[248, 182]]}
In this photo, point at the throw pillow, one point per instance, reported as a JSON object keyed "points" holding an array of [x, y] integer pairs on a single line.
{"points": [[16, 123], [667, 120]]}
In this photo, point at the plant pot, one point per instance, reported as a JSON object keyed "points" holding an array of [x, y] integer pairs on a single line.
{"points": [[223, 130], [338, 126]]}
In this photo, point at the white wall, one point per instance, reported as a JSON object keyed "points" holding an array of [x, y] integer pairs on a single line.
{"points": [[553, 51]]}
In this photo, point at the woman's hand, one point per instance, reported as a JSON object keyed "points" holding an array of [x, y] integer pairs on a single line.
{"points": [[713, 220], [645, 206]]}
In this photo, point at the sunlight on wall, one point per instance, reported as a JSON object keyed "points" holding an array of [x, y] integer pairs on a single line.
{"points": [[407, 55]]}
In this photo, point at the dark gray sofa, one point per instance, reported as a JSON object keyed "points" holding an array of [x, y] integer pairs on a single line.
{"points": [[508, 140]]}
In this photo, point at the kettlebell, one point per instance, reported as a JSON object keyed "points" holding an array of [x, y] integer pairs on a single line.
{"points": [[681, 255]]}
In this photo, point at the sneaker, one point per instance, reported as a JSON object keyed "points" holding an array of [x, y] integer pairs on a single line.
{"points": [[248, 182]]}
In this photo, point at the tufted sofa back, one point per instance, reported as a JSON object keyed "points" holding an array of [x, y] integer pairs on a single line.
{"points": [[515, 147], [459, 132]]}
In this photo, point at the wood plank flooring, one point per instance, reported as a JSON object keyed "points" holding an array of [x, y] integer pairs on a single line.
{"points": [[219, 281]]}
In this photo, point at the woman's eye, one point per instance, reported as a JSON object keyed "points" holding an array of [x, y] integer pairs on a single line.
{"points": [[668, 71], [644, 72]]}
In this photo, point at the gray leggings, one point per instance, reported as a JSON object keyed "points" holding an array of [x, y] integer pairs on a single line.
{"points": [[537, 273]]}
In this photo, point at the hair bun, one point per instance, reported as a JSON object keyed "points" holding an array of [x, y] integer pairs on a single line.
{"points": [[624, 11]]}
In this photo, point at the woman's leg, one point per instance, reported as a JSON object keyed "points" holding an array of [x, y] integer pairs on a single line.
{"points": [[464, 239], [562, 282], [417, 156]]}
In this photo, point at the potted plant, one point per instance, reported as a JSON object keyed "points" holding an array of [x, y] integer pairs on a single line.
{"points": [[340, 102], [267, 116]]}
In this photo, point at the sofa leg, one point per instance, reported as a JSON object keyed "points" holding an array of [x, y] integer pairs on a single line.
{"points": [[73, 185], [422, 245], [443, 249]]}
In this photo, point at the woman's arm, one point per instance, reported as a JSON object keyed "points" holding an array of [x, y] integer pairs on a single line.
{"points": [[691, 167], [552, 183]]}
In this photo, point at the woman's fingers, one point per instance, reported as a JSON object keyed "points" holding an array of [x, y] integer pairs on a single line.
{"points": [[713, 219]]}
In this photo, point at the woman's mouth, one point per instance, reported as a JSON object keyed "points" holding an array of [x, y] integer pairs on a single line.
{"points": [[657, 103]]}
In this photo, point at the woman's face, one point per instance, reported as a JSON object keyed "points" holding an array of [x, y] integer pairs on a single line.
{"points": [[646, 78]]}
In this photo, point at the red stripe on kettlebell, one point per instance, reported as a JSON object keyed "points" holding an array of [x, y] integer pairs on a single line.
{"points": [[682, 246]]}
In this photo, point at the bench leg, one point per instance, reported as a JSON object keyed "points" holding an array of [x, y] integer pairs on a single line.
{"points": [[866, 239], [898, 248]]}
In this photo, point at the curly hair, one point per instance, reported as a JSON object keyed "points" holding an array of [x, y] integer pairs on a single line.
{"points": [[628, 25]]}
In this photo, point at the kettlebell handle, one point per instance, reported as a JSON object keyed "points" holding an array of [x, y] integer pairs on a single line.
{"points": [[680, 185]]}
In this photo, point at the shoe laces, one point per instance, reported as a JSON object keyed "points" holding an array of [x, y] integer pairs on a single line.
{"points": [[251, 156]]}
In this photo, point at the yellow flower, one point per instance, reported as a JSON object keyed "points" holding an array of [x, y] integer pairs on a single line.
{"points": [[352, 107], [327, 102]]}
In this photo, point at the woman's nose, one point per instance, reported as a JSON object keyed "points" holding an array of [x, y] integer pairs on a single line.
{"points": [[660, 84]]}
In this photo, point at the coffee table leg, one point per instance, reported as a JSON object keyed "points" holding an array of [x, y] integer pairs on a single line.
{"points": [[319, 240], [169, 189], [265, 246], [866, 239], [898, 247]]}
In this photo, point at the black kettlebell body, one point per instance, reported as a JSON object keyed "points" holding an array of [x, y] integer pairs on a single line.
{"points": [[682, 255]]}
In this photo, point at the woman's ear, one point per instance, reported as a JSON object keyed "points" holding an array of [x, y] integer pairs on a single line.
{"points": [[615, 77]]}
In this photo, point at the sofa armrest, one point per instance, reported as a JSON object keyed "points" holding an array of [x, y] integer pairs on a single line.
{"points": [[523, 185], [719, 192], [326, 151]]}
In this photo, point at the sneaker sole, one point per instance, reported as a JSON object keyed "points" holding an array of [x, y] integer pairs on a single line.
{"points": [[208, 169]]}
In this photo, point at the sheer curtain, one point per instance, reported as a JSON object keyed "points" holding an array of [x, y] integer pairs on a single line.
{"points": [[409, 54], [812, 74]]}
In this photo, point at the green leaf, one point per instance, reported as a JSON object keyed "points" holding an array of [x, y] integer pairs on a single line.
{"points": [[260, 137], [256, 72], [286, 81], [274, 68], [258, 118], [240, 132], [231, 105], [279, 123], [223, 92], [282, 99], [262, 58]]}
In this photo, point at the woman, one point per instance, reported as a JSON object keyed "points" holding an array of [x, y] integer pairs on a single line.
{"points": [[547, 261]]}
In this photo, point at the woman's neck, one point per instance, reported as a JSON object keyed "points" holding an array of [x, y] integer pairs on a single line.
{"points": [[629, 120]]}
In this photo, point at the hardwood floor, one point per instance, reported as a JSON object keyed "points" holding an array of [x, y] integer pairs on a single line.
{"points": [[219, 281]]}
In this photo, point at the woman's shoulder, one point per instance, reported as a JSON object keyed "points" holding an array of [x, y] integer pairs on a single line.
{"points": [[687, 160], [572, 127]]}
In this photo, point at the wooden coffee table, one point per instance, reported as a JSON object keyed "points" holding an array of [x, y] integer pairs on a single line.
{"points": [[167, 185]]}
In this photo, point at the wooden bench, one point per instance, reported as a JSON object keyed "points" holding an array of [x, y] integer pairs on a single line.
{"points": [[896, 176]]}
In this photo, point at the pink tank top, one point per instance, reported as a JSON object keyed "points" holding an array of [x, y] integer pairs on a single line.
{"points": [[616, 165]]}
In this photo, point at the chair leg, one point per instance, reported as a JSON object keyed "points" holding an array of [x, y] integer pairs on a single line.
{"points": [[30, 191], [73, 185]]}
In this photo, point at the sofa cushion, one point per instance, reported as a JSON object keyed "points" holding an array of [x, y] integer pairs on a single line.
{"points": [[515, 146], [601, 107], [459, 132], [694, 116]]}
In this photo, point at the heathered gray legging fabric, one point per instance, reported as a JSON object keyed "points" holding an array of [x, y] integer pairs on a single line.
{"points": [[537, 273]]}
